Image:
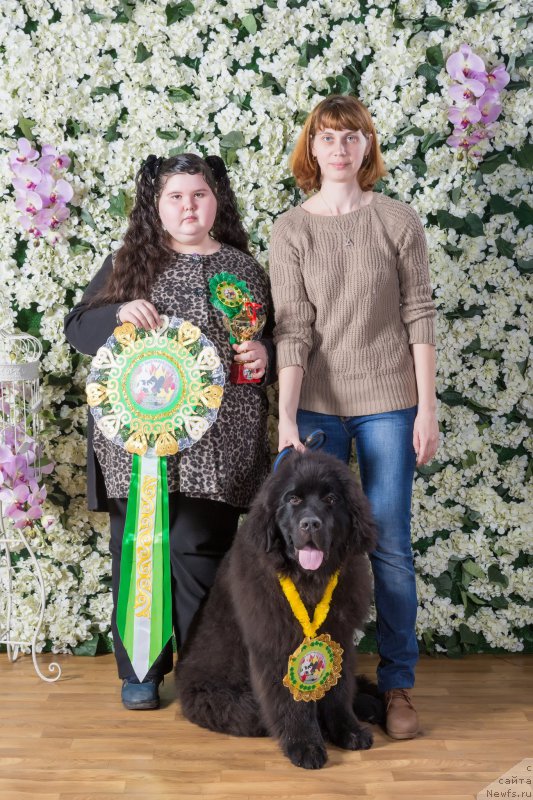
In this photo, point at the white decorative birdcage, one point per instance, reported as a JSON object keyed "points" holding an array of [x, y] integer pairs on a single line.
{"points": [[20, 404]]}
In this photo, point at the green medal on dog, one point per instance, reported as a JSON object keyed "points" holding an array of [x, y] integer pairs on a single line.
{"points": [[154, 393], [316, 665]]}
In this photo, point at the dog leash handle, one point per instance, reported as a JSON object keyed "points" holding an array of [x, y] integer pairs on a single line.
{"points": [[314, 441]]}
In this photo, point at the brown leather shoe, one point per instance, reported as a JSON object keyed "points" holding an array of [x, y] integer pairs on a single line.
{"points": [[402, 719]]}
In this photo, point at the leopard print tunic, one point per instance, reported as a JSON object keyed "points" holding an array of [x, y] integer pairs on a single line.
{"points": [[231, 461]]}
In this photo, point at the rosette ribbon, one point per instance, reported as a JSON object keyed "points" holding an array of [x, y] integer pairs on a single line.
{"points": [[144, 609], [154, 393]]}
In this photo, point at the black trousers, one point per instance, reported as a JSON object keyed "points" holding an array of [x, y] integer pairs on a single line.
{"points": [[201, 532]]}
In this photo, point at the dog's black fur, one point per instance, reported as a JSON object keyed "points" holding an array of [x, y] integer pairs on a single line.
{"points": [[230, 673]]}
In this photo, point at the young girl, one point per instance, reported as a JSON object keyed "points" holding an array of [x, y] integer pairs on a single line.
{"points": [[355, 351], [183, 230]]}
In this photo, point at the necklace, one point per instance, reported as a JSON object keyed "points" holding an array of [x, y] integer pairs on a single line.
{"points": [[348, 241], [316, 665]]}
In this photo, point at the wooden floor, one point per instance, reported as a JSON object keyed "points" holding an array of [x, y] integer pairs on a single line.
{"points": [[73, 740]]}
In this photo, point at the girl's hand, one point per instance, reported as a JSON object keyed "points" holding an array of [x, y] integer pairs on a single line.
{"points": [[254, 355], [142, 313], [289, 436], [425, 436]]}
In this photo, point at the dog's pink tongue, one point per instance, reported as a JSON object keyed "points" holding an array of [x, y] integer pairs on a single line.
{"points": [[310, 558]]}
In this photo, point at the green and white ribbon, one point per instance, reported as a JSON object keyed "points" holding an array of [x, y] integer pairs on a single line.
{"points": [[144, 610]]}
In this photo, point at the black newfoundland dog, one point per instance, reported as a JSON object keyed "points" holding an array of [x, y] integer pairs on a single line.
{"points": [[309, 520]]}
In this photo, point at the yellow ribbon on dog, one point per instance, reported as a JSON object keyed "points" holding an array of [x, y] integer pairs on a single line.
{"points": [[316, 665]]}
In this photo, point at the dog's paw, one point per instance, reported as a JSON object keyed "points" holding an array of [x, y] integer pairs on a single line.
{"points": [[355, 739], [307, 755]]}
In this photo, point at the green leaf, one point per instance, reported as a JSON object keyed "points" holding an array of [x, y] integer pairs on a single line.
{"points": [[469, 459], [525, 61], [430, 74], [342, 85], [270, 82], [496, 576], [500, 205], [100, 90], [474, 8], [473, 569], [431, 469], [87, 648], [474, 225], [79, 246], [410, 130], [87, 218], [523, 22], [111, 134], [432, 139], [491, 163], [443, 584], [452, 250], [167, 135], [468, 636], [524, 214], [456, 194], [232, 141], [250, 23], [453, 647], [93, 16], [434, 23], [434, 56], [175, 12], [474, 346], [180, 94], [525, 266], [499, 602], [142, 54], [446, 220], [475, 599], [524, 157], [26, 126], [515, 85], [504, 247], [118, 204]]}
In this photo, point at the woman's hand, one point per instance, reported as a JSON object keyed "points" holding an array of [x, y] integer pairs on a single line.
{"points": [[142, 313], [254, 355], [425, 436], [288, 435]]}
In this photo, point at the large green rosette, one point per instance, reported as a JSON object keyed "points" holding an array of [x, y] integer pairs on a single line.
{"points": [[154, 393]]}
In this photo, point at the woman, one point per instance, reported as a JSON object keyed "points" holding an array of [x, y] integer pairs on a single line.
{"points": [[356, 356], [183, 230]]}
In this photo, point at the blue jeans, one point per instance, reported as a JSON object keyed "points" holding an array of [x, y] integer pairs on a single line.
{"points": [[386, 458]]}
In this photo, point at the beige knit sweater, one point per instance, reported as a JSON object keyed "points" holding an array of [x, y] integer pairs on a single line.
{"points": [[347, 314]]}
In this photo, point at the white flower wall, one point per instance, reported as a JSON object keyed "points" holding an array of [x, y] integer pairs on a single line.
{"points": [[110, 83]]}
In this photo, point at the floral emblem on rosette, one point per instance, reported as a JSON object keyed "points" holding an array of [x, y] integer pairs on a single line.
{"points": [[228, 293], [155, 393], [314, 668]]}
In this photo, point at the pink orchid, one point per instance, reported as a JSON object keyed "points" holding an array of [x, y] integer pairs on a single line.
{"points": [[489, 106], [460, 139], [29, 225], [498, 77], [60, 161], [51, 217], [20, 494], [463, 117], [27, 177], [30, 202], [462, 63], [54, 191], [24, 153], [465, 93]]}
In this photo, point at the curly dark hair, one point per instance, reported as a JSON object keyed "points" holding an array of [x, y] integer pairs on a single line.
{"points": [[145, 251]]}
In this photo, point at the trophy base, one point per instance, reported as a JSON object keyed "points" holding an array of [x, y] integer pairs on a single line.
{"points": [[240, 373]]}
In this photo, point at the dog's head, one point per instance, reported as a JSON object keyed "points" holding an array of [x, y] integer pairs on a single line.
{"points": [[311, 512]]}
